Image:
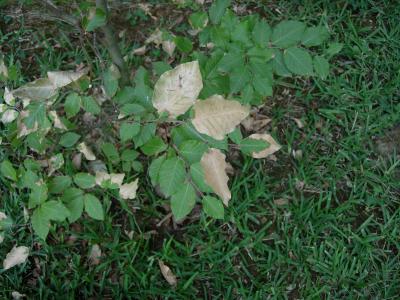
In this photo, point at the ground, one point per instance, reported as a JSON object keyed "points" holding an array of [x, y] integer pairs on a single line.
{"points": [[320, 225]]}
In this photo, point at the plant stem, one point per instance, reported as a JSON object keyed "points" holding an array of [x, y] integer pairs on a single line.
{"points": [[111, 43]]}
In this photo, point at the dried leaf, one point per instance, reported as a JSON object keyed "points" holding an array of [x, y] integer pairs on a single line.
{"points": [[17, 295], [214, 167], [272, 148], [86, 151], [40, 89], [95, 255], [3, 68], [9, 97], [155, 37], [128, 190], [57, 122], [16, 256], [167, 273], [298, 122], [9, 116], [169, 47], [62, 78], [177, 90], [140, 51], [256, 124], [217, 116]]}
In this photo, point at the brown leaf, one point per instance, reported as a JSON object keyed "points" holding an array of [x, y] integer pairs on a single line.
{"points": [[217, 116], [214, 167], [272, 148], [167, 273]]}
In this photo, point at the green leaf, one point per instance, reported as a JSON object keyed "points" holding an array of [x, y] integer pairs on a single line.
{"points": [[38, 195], [263, 53], [314, 36], [29, 179], [129, 155], [321, 67], [241, 33], [248, 146], [129, 130], [236, 136], [197, 174], [171, 176], [183, 44], [183, 201], [278, 64], [59, 184], [298, 61], [110, 78], [192, 150], [263, 86], [40, 223], [73, 200], [146, 133], [90, 105], [334, 48], [154, 146], [96, 19], [154, 169], [198, 20], [72, 105], [217, 10], [93, 207], [213, 207], [8, 171], [110, 152], [287, 33], [37, 113], [84, 180], [230, 61], [54, 210], [132, 109], [238, 79], [261, 33], [69, 139]]}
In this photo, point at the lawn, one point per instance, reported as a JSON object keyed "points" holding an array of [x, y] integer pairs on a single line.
{"points": [[321, 221]]}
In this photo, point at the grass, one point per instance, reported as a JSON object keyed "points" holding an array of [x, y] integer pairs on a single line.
{"points": [[336, 238]]}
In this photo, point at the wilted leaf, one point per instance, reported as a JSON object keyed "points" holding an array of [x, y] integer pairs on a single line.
{"points": [[177, 90], [128, 190], [55, 162], [60, 79], [140, 51], [17, 295], [16, 256], [167, 273], [9, 97], [9, 116], [217, 117], [169, 47], [155, 37], [40, 89], [85, 150], [56, 120], [214, 167], [3, 68], [272, 148], [95, 255]]}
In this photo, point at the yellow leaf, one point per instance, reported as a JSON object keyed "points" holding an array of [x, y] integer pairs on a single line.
{"points": [[177, 90], [214, 167], [217, 116]]}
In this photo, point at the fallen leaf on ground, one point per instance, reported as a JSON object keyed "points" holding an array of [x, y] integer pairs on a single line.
{"points": [[57, 122], [167, 273], [217, 116], [128, 190], [272, 148], [17, 295], [140, 51], [177, 90], [169, 47], [62, 78], [16, 256], [86, 151], [214, 167], [95, 255]]}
